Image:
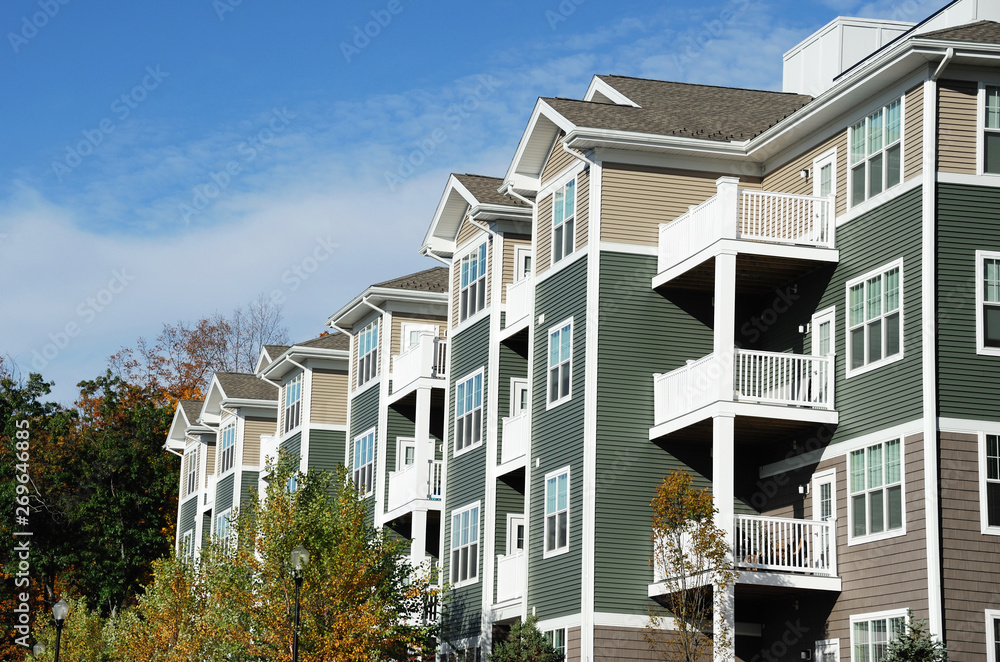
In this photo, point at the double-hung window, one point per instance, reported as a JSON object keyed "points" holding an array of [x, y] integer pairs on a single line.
{"points": [[557, 512], [465, 545], [988, 302], [871, 634], [558, 640], [876, 152], [364, 463], [991, 132], [989, 484], [876, 490], [293, 403], [563, 220], [368, 353], [469, 412], [472, 294], [187, 546], [191, 477], [223, 528], [228, 448], [875, 318], [560, 362]]}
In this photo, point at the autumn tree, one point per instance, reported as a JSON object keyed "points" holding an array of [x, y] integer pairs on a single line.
{"points": [[693, 558], [83, 637], [525, 643]]}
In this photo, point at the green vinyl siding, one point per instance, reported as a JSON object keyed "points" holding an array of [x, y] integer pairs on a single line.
{"points": [[397, 425], [466, 476], [188, 511], [557, 442], [968, 220], [364, 416], [224, 493], [206, 528], [292, 445], [326, 449], [509, 501], [512, 364], [636, 326], [248, 487]]}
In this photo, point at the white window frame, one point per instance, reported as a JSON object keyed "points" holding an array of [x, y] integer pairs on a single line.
{"points": [[981, 257], [827, 646], [368, 466], [821, 478], [514, 520], [518, 385], [561, 223], [402, 443], [406, 328], [224, 527], [567, 361], [882, 151], [292, 411], [848, 327], [992, 639], [477, 542], [471, 413], [480, 255], [368, 360], [550, 636], [875, 616], [557, 549], [981, 130], [187, 546], [886, 532], [227, 451], [984, 479], [191, 472], [523, 262]]}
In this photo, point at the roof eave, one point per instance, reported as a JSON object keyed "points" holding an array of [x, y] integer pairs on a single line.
{"points": [[584, 138], [279, 366], [233, 403], [540, 111], [349, 314]]}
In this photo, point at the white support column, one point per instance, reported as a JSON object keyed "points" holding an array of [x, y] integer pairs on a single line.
{"points": [[723, 491], [418, 538], [725, 321], [727, 192]]}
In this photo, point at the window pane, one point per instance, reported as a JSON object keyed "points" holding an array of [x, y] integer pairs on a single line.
{"points": [[858, 347], [892, 290], [876, 521], [991, 144], [991, 319], [879, 639], [550, 532], [564, 380], [857, 304], [892, 340], [558, 244], [892, 474], [858, 143], [858, 184], [874, 132], [553, 348], [894, 497], [826, 180], [893, 122], [570, 199], [857, 471], [993, 504], [861, 642], [564, 338], [875, 175], [550, 496], [893, 167], [563, 491], [568, 237], [858, 514], [874, 466], [992, 457], [874, 299], [874, 341], [553, 384], [993, 107], [563, 530], [824, 339], [558, 208], [991, 281]]}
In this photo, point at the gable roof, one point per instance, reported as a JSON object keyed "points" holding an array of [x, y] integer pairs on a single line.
{"points": [[335, 340], [434, 279], [244, 386], [274, 351], [982, 32], [485, 190], [185, 416], [191, 409]]}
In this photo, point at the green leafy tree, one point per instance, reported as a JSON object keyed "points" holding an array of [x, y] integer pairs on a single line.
{"points": [[525, 643], [915, 644], [82, 640], [693, 558]]}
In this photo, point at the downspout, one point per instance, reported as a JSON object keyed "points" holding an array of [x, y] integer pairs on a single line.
{"points": [[576, 154], [372, 306], [171, 450], [427, 252], [514, 194], [948, 55], [482, 227]]}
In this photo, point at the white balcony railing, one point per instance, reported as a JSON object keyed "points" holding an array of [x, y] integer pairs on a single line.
{"points": [[427, 358], [210, 491], [763, 377], [515, 437], [518, 301], [510, 576], [417, 481], [751, 215], [785, 545]]}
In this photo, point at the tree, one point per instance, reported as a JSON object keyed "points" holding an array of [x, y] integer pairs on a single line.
{"points": [[82, 637], [525, 643], [915, 644], [693, 557]]}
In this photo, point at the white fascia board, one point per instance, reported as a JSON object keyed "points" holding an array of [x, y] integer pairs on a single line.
{"points": [[245, 403], [281, 366], [599, 86], [491, 212], [541, 111], [213, 399], [448, 216], [583, 138], [357, 309]]}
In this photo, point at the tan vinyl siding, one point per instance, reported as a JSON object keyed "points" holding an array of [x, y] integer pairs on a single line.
{"points": [[788, 179], [354, 371], [913, 130], [209, 462], [398, 319], [466, 233], [329, 397], [621, 643], [957, 126], [582, 209], [969, 559], [543, 231], [573, 644], [510, 244], [558, 161], [635, 200], [253, 428]]}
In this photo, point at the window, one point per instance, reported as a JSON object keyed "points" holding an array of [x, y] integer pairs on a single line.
{"points": [[875, 319], [364, 463], [876, 152], [558, 640], [187, 546], [989, 483], [191, 476], [472, 295], [992, 635], [465, 545], [522, 262], [560, 362], [406, 453], [871, 634], [828, 650], [563, 219], [988, 303], [991, 131], [228, 448], [368, 353], [557, 512], [469, 412], [876, 489], [223, 528], [293, 403]]}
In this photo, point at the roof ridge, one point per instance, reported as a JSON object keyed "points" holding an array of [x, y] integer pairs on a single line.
{"points": [[678, 82]]}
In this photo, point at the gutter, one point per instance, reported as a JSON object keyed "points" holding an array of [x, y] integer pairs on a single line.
{"points": [[948, 56], [514, 194], [428, 252]]}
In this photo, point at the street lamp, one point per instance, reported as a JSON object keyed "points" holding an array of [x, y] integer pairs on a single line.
{"points": [[299, 558], [59, 612]]}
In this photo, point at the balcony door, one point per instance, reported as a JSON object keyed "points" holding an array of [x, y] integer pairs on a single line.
{"points": [[825, 181], [522, 262], [518, 396], [406, 453], [515, 534], [824, 507], [822, 339]]}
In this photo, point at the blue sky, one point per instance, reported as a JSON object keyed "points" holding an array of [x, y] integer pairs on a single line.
{"points": [[164, 161]]}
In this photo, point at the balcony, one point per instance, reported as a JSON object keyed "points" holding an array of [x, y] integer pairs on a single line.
{"points": [[790, 233], [209, 498], [268, 451], [510, 576], [769, 385], [519, 297], [426, 359], [417, 482], [515, 438]]}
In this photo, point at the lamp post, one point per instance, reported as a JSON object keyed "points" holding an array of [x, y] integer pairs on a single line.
{"points": [[59, 612], [299, 558]]}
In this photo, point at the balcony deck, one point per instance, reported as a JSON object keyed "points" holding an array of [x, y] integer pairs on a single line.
{"points": [[520, 296], [510, 577], [427, 359], [416, 486], [514, 445]]}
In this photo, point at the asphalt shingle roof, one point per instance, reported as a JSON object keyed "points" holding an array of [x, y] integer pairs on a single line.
{"points": [[329, 341], [274, 351], [982, 32], [434, 279], [192, 409], [684, 109], [485, 190], [248, 387]]}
